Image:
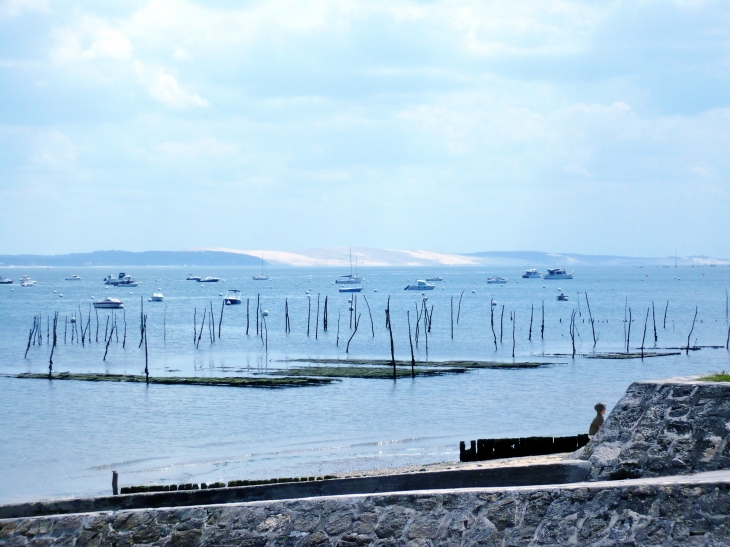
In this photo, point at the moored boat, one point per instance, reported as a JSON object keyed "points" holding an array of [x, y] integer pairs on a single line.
{"points": [[557, 273], [157, 297], [5, 281], [233, 297], [420, 285], [109, 303], [192, 277], [73, 278], [209, 280], [435, 278], [531, 274], [123, 280], [263, 276], [350, 289], [497, 280]]}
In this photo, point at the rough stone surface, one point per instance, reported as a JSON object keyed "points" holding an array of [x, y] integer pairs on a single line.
{"points": [[590, 514], [661, 429]]}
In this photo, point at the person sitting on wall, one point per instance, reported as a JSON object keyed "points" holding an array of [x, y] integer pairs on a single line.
{"points": [[598, 420]]}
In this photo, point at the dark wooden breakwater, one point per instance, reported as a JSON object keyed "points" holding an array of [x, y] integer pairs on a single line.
{"points": [[493, 449]]}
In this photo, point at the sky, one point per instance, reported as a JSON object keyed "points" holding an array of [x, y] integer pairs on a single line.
{"points": [[596, 127]]}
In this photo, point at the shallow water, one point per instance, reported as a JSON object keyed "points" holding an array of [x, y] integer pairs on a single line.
{"points": [[63, 438]]}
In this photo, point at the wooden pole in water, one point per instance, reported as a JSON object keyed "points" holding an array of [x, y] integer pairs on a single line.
{"points": [[338, 329], [115, 483], [372, 325], [324, 315], [65, 329], [501, 324], [628, 336], [430, 318], [309, 313], [124, 316], [491, 310], [247, 304], [220, 321], [202, 325], [50, 359], [390, 330], [97, 325], [590, 318], [258, 302], [458, 312], [653, 318], [542, 326], [141, 322], [425, 325], [146, 362], [30, 337], [286, 315], [316, 326], [643, 338], [266, 334], [727, 341], [691, 330], [665, 314], [106, 328], [357, 323], [413, 357], [532, 311], [195, 325], [109, 341], [572, 331], [116, 331], [514, 322]]}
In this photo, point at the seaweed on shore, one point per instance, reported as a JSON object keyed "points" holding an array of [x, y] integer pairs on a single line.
{"points": [[722, 376], [271, 383], [632, 355], [439, 364], [385, 373]]}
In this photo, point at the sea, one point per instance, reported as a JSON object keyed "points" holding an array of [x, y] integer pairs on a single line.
{"points": [[64, 438]]}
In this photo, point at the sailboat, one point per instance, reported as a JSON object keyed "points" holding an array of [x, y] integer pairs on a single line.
{"points": [[261, 277], [350, 279]]}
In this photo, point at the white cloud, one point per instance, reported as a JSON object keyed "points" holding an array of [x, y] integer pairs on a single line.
{"points": [[163, 86]]}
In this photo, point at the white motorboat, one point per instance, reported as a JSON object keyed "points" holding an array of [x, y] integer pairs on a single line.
{"points": [[435, 278], [557, 273], [192, 277], [26, 281], [209, 280], [123, 280], [531, 274], [233, 297], [497, 280], [563, 297], [420, 285], [73, 278], [157, 297], [350, 289], [109, 303], [263, 276], [4, 280]]}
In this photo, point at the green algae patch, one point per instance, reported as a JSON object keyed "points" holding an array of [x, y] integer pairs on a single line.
{"points": [[272, 383], [366, 372], [717, 377], [440, 364], [631, 355]]}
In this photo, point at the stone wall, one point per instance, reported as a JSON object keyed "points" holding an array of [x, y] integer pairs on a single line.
{"points": [[599, 514], [663, 428]]}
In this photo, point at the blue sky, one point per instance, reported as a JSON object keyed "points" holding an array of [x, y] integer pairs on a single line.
{"points": [[553, 125]]}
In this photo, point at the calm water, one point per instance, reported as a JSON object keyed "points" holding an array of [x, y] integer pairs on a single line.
{"points": [[63, 438]]}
